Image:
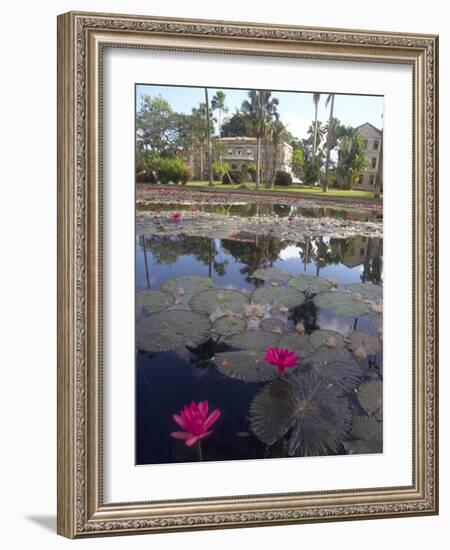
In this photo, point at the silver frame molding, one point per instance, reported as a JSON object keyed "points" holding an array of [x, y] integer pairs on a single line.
{"points": [[81, 39]]}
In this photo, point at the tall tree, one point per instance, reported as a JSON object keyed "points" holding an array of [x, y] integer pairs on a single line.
{"points": [[316, 99], [218, 104], [208, 135], [262, 109], [278, 135], [330, 99]]}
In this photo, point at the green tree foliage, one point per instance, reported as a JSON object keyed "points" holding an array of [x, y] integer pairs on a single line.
{"points": [[298, 162], [173, 170], [160, 129], [239, 124]]}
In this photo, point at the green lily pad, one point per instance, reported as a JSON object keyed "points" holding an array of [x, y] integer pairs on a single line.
{"points": [[278, 296], [367, 428], [361, 447], [328, 338], [171, 330], [223, 299], [253, 340], [228, 325], [153, 301], [187, 285], [342, 303], [367, 291], [271, 274], [307, 282], [370, 395], [359, 340], [275, 326], [336, 365], [311, 413], [297, 342], [245, 365]]}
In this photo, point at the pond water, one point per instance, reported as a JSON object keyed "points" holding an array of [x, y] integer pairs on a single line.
{"points": [[300, 301]]}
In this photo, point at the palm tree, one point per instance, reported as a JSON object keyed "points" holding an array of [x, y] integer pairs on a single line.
{"points": [[278, 135], [358, 165], [208, 135], [316, 99], [262, 110], [218, 104], [330, 98]]}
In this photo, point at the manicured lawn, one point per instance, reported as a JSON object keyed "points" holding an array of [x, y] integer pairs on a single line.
{"points": [[303, 189]]}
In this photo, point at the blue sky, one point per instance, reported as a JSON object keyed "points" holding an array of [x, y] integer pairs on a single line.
{"points": [[296, 108]]}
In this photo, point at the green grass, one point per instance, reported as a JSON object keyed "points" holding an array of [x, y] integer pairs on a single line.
{"points": [[302, 189]]}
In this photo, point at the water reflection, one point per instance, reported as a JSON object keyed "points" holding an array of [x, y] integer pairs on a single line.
{"points": [[166, 380], [235, 259]]}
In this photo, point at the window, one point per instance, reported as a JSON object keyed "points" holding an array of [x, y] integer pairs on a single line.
{"points": [[365, 144], [234, 166], [239, 152], [376, 144], [374, 162], [361, 179], [230, 151], [371, 180], [249, 152], [362, 251]]}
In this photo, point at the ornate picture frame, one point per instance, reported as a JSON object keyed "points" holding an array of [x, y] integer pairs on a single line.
{"points": [[82, 38]]}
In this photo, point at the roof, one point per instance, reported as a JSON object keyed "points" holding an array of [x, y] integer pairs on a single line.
{"points": [[371, 125]]}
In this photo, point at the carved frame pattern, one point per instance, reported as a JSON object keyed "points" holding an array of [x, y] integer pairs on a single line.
{"points": [[81, 37]]}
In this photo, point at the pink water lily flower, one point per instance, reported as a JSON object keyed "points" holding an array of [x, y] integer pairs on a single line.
{"points": [[282, 358], [195, 422], [176, 217]]}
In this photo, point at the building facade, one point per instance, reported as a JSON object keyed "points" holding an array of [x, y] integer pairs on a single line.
{"points": [[372, 145], [240, 153]]}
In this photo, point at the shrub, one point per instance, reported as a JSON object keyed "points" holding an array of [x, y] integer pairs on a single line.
{"points": [[172, 170], [219, 169], [146, 165], [186, 175], [283, 178], [235, 175]]}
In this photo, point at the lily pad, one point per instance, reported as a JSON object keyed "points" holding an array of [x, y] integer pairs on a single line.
{"points": [[228, 325], [275, 326], [342, 303], [367, 429], [219, 299], [307, 282], [311, 413], [336, 365], [363, 340], [370, 395], [271, 274], [187, 285], [278, 297], [171, 330], [245, 365], [367, 291], [360, 447], [328, 338], [297, 342], [254, 340], [153, 301]]}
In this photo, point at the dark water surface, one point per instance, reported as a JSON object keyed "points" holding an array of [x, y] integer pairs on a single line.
{"points": [[165, 381]]}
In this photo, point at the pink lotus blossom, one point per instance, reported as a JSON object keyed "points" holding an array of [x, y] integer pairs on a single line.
{"points": [[282, 358], [176, 217], [291, 218], [195, 422]]}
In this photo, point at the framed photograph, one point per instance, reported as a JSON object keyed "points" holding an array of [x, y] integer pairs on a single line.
{"points": [[247, 284]]}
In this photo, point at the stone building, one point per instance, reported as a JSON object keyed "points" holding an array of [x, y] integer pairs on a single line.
{"points": [[372, 144], [240, 153]]}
